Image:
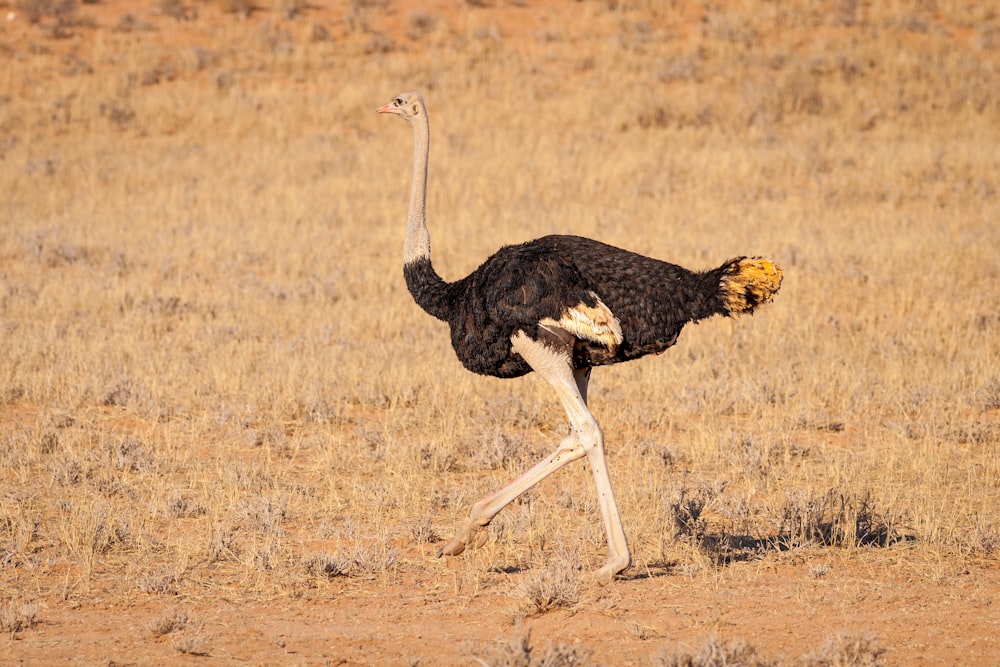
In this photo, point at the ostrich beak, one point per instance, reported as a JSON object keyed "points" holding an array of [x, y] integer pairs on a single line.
{"points": [[388, 108]]}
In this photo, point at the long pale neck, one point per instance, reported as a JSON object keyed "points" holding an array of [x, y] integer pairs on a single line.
{"points": [[428, 289], [418, 240]]}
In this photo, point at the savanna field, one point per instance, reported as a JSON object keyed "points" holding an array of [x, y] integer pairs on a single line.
{"points": [[229, 436]]}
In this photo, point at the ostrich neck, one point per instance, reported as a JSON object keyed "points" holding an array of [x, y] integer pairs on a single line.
{"points": [[418, 240], [428, 289]]}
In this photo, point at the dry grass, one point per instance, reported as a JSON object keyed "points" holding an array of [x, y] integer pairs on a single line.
{"points": [[840, 651], [716, 653], [213, 377], [16, 616], [520, 651], [187, 634], [549, 589]]}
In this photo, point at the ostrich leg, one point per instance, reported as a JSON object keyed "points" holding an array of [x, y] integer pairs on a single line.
{"points": [[585, 439], [618, 557]]}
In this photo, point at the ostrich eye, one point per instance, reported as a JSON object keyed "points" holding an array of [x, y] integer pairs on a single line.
{"points": [[398, 101]]}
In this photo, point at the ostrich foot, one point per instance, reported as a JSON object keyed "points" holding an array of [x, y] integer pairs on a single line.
{"points": [[615, 565], [472, 536]]}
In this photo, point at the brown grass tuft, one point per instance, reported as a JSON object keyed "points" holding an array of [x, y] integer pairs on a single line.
{"points": [[522, 652], [715, 653], [548, 589], [17, 616], [847, 651]]}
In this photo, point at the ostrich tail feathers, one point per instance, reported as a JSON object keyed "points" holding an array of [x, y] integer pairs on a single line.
{"points": [[748, 283]]}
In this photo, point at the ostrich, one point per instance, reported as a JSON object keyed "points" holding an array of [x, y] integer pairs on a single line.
{"points": [[558, 306]]}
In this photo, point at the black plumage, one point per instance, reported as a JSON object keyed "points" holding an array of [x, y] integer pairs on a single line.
{"points": [[521, 285]]}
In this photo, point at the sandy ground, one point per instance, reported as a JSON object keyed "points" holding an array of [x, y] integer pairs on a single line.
{"points": [[784, 610]]}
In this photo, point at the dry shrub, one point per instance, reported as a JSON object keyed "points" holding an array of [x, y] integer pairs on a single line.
{"points": [[840, 651], [190, 642], [497, 449], [419, 23], [173, 621], [687, 507], [423, 532], [158, 581], [520, 652], [179, 505], [986, 539], [835, 519], [18, 531], [97, 529], [374, 558], [241, 8], [17, 615], [187, 634], [548, 589], [292, 9], [36, 10], [847, 651], [327, 566], [319, 33], [176, 9], [715, 653], [741, 532], [365, 559]]}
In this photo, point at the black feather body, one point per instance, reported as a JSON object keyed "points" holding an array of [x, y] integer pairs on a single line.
{"points": [[521, 285]]}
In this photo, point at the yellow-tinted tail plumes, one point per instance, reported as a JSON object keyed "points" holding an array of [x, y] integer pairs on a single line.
{"points": [[748, 283]]}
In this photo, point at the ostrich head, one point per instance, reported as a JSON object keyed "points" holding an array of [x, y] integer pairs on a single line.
{"points": [[406, 105]]}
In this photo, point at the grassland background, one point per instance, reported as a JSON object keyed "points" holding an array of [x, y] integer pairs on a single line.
{"points": [[215, 386]]}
